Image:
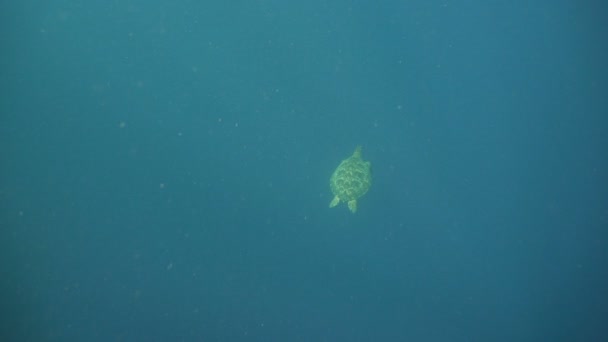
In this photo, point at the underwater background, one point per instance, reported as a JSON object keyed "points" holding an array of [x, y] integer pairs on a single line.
{"points": [[165, 165]]}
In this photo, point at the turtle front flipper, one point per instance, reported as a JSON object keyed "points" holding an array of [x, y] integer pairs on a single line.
{"points": [[334, 202], [352, 205]]}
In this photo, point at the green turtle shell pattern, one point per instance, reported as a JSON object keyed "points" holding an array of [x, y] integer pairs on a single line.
{"points": [[351, 180]]}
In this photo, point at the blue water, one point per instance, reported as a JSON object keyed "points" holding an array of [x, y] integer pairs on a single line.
{"points": [[165, 171]]}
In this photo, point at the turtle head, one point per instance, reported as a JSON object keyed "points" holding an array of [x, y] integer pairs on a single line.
{"points": [[357, 152]]}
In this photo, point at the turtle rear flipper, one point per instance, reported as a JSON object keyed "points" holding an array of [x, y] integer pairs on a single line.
{"points": [[352, 205]]}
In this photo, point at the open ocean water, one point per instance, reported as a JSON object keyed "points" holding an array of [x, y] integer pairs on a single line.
{"points": [[165, 165]]}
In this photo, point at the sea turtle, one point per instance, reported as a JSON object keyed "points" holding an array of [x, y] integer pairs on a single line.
{"points": [[351, 180]]}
